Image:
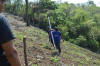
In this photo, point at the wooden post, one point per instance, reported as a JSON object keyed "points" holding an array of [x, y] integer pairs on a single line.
{"points": [[25, 53]]}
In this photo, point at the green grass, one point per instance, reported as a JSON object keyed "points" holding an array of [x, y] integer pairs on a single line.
{"points": [[19, 35], [80, 55], [70, 51], [44, 45], [55, 59], [34, 65]]}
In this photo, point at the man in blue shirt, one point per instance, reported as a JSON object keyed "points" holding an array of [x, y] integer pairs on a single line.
{"points": [[57, 38], [8, 53]]}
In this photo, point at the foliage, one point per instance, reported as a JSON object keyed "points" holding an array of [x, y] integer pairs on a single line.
{"points": [[93, 45], [46, 46], [81, 41], [79, 24], [47, 4], [34, 65], [19, 35], [55, 59]]}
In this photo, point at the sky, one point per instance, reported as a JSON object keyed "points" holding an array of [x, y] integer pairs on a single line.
{"points": [[97, 2]]}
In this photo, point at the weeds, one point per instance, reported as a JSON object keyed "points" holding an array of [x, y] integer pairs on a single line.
{"points": [[55, 59]]}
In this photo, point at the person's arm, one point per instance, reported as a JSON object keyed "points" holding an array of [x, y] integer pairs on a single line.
{"points": [[11, 53], [6, 37]]}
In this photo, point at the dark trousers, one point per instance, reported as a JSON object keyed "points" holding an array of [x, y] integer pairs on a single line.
{"points": [[57, 44], [4, 64], [4, 61]]}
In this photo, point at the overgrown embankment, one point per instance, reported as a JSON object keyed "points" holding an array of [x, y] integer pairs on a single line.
{"points": [[41, 53], [79, 24]]}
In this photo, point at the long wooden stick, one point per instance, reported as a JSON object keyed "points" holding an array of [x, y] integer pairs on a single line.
{"points": [[25, 53], [51, 33]]}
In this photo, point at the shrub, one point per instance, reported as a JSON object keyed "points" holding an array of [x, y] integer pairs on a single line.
{"points": [[93, 45], [81, 41]]}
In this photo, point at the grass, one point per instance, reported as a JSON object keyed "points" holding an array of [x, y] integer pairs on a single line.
{"points": [[55, 59], [19, 35], [34, 65], [70, 51], [81, 56], [44, 45]]}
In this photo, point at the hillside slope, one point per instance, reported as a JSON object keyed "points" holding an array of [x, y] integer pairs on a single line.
{"points": [[40, 51]]}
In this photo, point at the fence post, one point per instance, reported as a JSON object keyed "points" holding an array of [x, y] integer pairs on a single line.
{"points": [[25, 53]]}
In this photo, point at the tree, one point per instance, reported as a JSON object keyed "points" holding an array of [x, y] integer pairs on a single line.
{"points": [[26, 17], [47, 4], [91, 3]]}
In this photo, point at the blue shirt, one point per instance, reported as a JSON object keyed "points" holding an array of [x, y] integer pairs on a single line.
{"points": [[56, 36], [6, 35]]}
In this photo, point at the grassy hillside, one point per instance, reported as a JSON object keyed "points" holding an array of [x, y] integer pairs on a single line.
{"points": [[41, 53], [79, 23]]}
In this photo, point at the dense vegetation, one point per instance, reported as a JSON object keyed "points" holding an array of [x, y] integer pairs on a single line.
{"points": [[79, 24]]}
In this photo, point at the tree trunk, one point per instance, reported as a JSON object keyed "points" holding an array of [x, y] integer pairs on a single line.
{"points": [[26, 17]]}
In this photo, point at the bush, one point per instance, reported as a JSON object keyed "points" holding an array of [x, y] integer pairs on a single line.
{"points": [[93, 45], [47, 4], [81, 41], [72, 41]]}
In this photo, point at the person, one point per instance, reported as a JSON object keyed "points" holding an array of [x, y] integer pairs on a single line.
{"points": [[57, 39], [8, 53], [50, 36]]}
